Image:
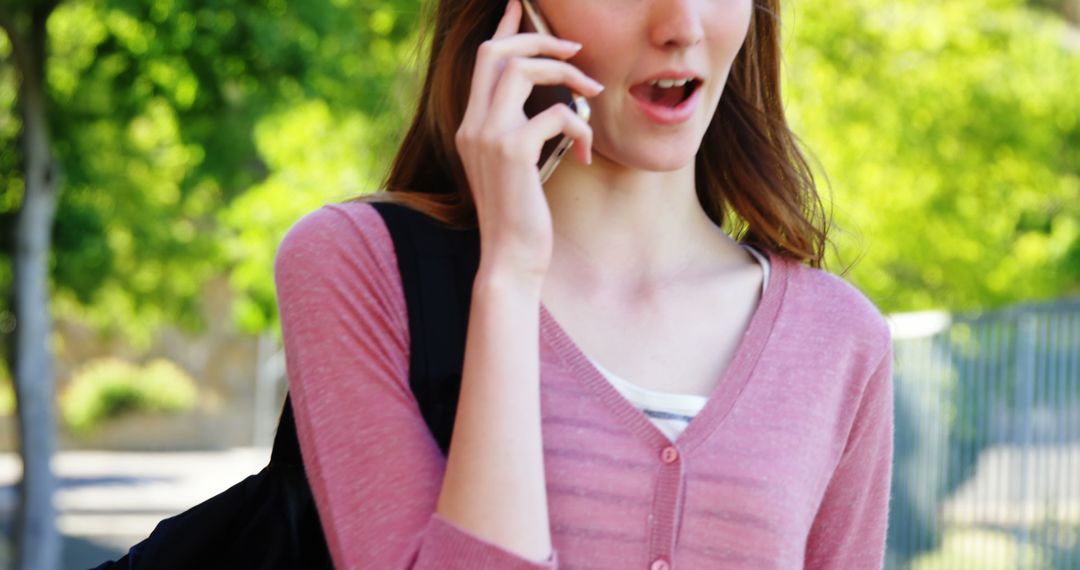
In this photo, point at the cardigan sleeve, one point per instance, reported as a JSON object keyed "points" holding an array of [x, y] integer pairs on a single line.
{"points": [[374, 468], [850, 526]]}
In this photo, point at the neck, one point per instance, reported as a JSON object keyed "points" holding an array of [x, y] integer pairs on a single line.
{"points": [[618, 228]]}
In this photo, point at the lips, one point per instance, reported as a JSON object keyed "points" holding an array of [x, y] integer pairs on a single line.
{"points": [[664, 94], [669, 99]]}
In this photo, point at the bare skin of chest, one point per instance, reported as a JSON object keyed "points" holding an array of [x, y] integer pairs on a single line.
{"points": [[678, 339]]}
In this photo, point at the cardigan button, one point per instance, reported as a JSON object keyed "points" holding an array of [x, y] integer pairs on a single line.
{"points": [[669, 455], [660, 564]]}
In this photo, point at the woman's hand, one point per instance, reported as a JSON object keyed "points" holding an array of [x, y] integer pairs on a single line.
{"points": [[499, 146]]}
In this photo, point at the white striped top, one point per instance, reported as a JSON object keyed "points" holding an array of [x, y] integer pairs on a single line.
{"points": [[670, 412]]}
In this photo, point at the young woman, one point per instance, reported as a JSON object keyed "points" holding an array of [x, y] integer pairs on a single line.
{"points": [[640, 390]]}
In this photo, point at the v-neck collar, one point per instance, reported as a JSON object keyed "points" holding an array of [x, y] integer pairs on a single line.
{"points": [[723, 397]]}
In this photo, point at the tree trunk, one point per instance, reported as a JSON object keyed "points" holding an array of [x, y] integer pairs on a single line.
{"points": [[37, 538]]}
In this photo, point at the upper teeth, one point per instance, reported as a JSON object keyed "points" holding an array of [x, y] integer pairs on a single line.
{"points": [[666, 83]]}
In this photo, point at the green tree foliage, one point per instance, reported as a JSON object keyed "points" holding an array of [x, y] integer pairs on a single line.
{"points": [[950, 132], [143, 115], [10, 176], [192, 133], [304, 175]]}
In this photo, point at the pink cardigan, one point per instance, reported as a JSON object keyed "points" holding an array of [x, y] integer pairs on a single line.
{"points": [[787, 466]]}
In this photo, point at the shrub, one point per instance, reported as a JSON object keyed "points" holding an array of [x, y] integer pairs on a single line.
{"points": [[108, 387], [7, 391]]}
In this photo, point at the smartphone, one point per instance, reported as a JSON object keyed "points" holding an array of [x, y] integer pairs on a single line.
{"points": [[544, 96]]}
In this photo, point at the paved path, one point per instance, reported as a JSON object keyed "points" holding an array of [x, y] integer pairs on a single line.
{"points": [[1015, 487], [111, 500]]}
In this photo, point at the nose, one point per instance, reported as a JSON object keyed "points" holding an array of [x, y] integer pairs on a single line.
{"points": [[677, 23]]}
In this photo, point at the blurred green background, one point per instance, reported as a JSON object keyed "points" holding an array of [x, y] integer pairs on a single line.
{"points": [[191, 134]]}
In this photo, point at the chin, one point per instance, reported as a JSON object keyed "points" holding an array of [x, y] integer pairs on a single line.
{"points": [[653, 156]]}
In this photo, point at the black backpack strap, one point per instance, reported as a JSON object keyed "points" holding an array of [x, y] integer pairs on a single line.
{"points": [[437, 266], [286, 450], [269, 520]]}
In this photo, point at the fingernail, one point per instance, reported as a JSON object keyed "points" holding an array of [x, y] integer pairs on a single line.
{"points": [[572, 45]]}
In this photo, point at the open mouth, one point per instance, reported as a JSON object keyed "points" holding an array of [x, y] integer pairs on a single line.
{"points": [[665, 92]]}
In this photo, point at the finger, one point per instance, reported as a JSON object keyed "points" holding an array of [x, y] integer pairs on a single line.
{"points": [[482, 77], [523, 74], [510, 23], [529, 45], [555, 121], [493, 54]]}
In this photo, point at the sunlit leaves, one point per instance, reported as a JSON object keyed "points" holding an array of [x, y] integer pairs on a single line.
{"points": [[75, 32], [134, 36], [948, 133], [315, 158], [140, 237], [194, 133], [154, 106]]}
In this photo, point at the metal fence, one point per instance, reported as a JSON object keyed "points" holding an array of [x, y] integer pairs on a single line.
{"points": [[987, 457]]}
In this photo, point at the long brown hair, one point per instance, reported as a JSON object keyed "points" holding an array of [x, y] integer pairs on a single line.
{"points": [[750, 172]]}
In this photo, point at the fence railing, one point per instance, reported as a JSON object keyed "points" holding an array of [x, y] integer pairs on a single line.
{"points": [[987, 457]]}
